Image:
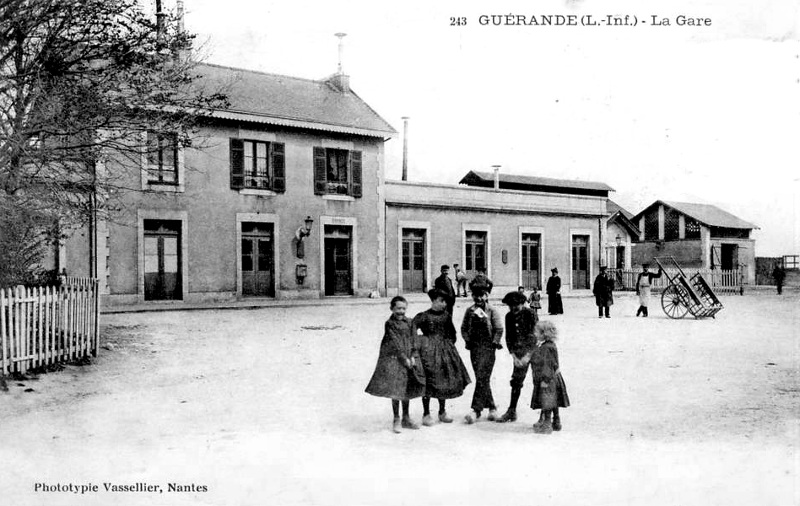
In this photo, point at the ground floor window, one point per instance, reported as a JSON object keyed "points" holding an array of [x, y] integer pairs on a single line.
{"points": [[531, 261], [162, 260], [580, 261], [258, 259], [338, 250], [413, 260], [475, 252]]}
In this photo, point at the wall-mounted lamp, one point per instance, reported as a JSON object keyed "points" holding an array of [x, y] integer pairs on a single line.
{"points": [[302, 232]]}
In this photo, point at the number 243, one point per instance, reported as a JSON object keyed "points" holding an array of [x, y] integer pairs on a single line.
{"points": [[458, 21]]}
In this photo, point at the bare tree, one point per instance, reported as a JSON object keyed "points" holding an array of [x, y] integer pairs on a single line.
{"points": [[83, 81]]}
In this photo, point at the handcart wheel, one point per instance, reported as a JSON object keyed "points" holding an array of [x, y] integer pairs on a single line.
{"points": [[672, 302]]}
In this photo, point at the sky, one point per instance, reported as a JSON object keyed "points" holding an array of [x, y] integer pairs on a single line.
{"points": [[707, 114]]}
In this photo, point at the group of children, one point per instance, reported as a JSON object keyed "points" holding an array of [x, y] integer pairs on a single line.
{"points": [[418, 358]]}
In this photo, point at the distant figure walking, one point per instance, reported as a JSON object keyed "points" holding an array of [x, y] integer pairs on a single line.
{"points": [[643, 283], [553, 289], [445, 285], [603, 291], [779, 275], [461, 281]]}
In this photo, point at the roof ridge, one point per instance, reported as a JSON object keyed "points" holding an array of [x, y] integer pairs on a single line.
{"points": [[264, 73]]}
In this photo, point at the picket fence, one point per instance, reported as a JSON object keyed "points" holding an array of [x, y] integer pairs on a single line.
{"points": [[721, 281], [41, 326]]}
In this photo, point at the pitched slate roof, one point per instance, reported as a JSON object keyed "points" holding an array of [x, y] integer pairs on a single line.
{"points": [[532, 183], [613, 207], [291, 101], [707, 214]]}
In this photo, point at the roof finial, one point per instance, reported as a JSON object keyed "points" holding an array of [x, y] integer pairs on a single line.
{"points": [[341, 35]]}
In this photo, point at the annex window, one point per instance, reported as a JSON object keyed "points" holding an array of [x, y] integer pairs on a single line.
{"points": [[258, 165], [691, 229], [162, 158], [337, 171]]}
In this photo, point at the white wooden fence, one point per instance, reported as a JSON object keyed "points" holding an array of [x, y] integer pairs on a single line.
{"points": [[46, 325], [721, 281]]}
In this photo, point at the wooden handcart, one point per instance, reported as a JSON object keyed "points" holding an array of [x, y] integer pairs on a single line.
{"points": [[685, 294]]}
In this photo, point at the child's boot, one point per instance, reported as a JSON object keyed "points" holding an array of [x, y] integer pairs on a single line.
{"points": [[428, 421], [645, 312], [396, 425], [639, 311], [407, 423], [508, 416], [556, 420], [538, 425], [472, 417], [492, 415], [547, 425], [445, 418]]}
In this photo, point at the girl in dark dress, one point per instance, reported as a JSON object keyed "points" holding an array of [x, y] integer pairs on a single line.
{"points": [[398, 374], [445, 373], [549, 389], [553, 289]]}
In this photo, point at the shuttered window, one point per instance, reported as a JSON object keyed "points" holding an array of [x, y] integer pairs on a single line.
{"points": [[257, 165], [338, 172]]}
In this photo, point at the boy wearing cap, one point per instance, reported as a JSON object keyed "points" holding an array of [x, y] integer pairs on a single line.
{"points": [[520, 341]]}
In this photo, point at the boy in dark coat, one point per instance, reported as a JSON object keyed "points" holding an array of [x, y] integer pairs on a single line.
{"points": [[520, 341], [482, 330], [603, 291]]}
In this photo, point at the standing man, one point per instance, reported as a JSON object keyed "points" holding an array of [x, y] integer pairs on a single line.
{"points": [[445, 285], [461, 281], [553, 289], [520, 342], [603, 291], [779, 275], [481, 282], [482, 330], [643, 287]]}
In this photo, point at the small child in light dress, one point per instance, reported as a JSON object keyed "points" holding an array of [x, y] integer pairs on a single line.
{"points": [[549, 389], [535, 301]]}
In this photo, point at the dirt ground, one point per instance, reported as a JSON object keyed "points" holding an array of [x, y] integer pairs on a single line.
{"points": [[267, 407]]}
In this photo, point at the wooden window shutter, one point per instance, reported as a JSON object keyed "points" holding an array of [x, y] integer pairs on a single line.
{"points": [[278, 162], [237, 163], [355, 173], [320, 176]]}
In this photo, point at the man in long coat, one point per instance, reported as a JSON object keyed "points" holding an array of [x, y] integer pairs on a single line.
{"points": [[779, 275], [444, 284], [603, 291]]}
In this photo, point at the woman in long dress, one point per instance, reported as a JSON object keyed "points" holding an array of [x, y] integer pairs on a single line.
{"points": [[553, 289]]}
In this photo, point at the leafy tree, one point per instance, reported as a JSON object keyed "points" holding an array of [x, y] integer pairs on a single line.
{"points": [[82, 82]]}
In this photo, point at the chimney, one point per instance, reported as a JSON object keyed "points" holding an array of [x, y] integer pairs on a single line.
{"points": [[496, 176], [340, 80], [181, 55], [405, 148], [159, 23]]}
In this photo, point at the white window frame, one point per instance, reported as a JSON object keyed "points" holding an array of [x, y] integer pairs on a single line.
{"points": [[542, 260], [418, 225], [180, 187]]}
